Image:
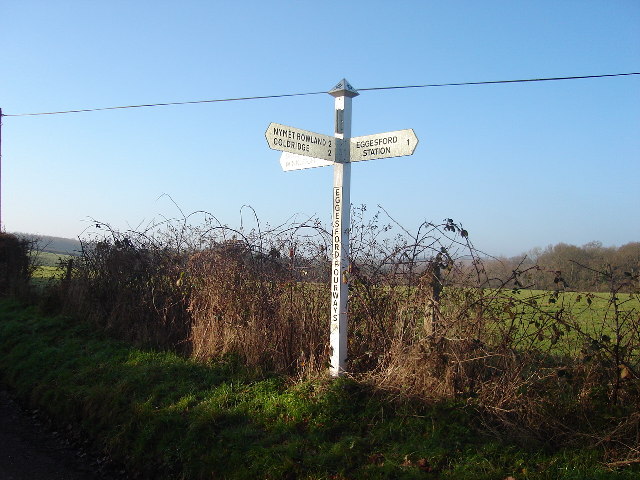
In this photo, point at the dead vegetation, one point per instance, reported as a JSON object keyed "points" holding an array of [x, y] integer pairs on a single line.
{"points": [[555, 367]]}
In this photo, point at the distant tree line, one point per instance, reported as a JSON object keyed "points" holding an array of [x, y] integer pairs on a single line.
{"points": [[591, 267], [46, 243]]}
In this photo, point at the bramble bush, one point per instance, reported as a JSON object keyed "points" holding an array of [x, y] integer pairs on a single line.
{"points": [[426, 319]]}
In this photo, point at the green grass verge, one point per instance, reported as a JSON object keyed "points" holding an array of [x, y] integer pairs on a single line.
{"points": [[169, 417]]}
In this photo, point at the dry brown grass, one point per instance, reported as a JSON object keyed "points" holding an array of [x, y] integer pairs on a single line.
{"points": [[250, 306]]}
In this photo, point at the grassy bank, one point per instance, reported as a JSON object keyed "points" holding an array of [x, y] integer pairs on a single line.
{"points": [[170, 417]]}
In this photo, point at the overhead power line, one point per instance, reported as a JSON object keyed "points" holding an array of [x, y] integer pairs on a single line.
{"points": [[83, 110], [263, 97], [550, 79]]}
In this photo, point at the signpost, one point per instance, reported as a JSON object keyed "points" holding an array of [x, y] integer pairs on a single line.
{"points": [[303, 149]]}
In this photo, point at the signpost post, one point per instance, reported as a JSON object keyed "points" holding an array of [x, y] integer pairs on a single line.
{"points": [[340, 226], [303, 149]]}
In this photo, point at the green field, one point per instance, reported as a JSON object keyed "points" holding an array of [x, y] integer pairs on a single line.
{"points": [[591, 305], [594, 314], [564, 324], [48, 259], [47, 267]]}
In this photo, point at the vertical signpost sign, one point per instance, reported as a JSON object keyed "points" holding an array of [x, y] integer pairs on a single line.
{"points": [[340, 226], [303, 149]]}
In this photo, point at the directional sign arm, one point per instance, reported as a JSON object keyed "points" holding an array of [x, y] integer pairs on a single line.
{"points": [[291, 161], [383, 145], [301, 142]]}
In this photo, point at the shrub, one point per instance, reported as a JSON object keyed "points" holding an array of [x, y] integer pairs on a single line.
{"points": [[132, 288], [15, 268]]}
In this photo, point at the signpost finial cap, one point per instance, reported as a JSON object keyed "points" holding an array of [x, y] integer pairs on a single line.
{"points": [[343, 89]]}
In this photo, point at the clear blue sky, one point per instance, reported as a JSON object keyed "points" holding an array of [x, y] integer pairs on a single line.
{"points": [[519, 165]]}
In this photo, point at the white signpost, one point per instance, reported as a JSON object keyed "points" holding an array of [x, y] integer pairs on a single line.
{"points": [[303, 149]]}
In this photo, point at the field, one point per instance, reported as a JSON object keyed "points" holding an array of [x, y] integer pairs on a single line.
{"points": [[47, 265], [589, 306], [48, 259], [578, 316]]}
